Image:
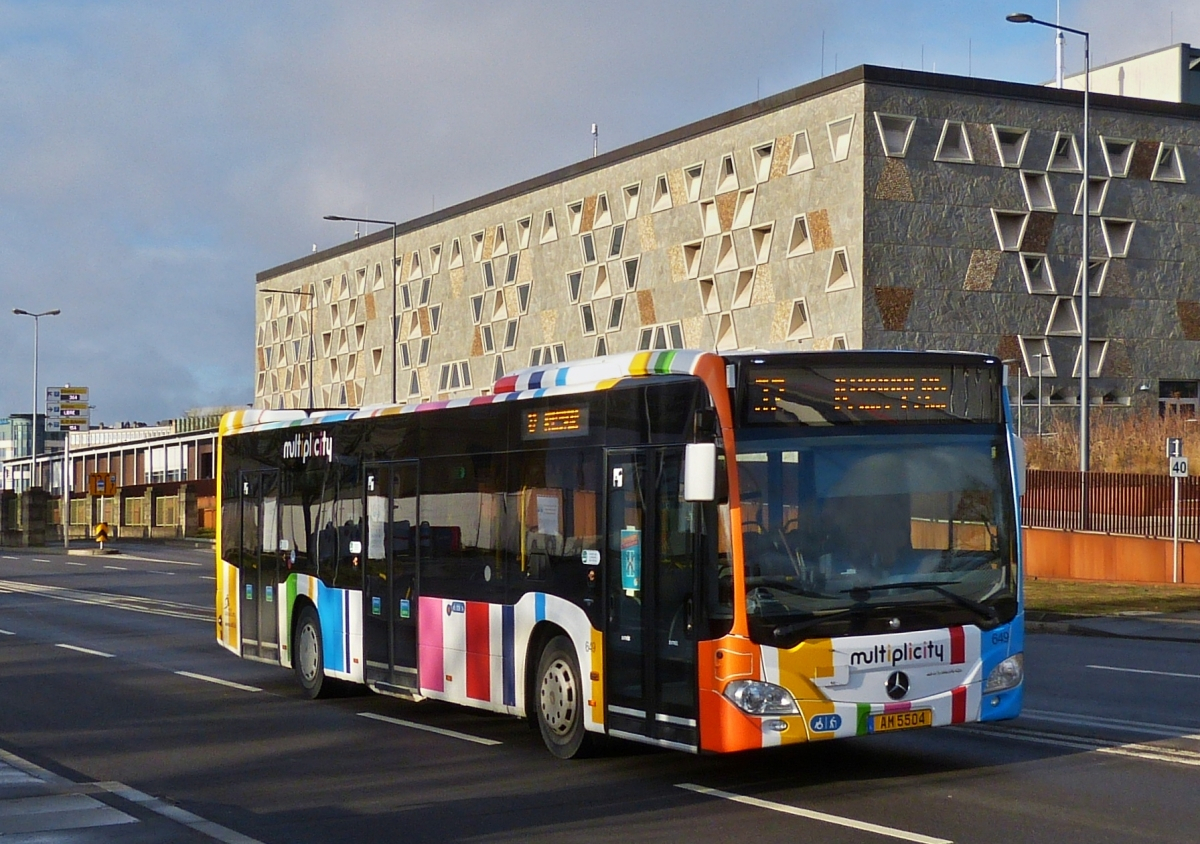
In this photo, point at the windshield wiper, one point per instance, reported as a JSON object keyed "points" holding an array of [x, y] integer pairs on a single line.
{"points": [[785, 586], [788, 630], [987, 613]]}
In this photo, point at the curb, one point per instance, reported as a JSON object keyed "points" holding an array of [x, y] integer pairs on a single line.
{"points": [[1066, 628]]}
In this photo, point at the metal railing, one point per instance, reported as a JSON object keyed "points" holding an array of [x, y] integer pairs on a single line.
{"points": [[1128, 504]]}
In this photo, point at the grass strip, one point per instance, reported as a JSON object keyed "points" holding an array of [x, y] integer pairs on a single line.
{"points": [[1093, 597]]}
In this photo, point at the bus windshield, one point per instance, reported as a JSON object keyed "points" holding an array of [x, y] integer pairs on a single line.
{"points": [[858, 534]]}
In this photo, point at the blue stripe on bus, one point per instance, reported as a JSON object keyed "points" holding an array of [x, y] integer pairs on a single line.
{"points": [[535, 380], [560, 380], [539, 606], [333, 625], [508, 626]]}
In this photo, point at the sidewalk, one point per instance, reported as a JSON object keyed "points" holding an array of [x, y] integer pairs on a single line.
{"points": [[1165, 627]]}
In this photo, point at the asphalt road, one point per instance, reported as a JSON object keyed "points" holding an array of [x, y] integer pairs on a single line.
{"points": [[111, 687]]}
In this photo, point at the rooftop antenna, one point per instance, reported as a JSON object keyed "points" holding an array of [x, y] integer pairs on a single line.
{"points": [[822, 52], [1060, 41], [595, 140], [969, 73], [314, 247]]}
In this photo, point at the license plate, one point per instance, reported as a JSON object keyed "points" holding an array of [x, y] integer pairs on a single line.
{"points": [[909, 720]]}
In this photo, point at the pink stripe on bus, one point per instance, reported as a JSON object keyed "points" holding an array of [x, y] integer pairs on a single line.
{"points": [[429, 645]]}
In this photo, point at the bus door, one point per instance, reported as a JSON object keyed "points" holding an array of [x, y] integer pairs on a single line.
{"points": [[390, 591], [260, 565], [649, 643]]}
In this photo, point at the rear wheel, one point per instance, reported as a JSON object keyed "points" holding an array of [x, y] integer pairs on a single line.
{"points": [[308, 654], [560, 700]]}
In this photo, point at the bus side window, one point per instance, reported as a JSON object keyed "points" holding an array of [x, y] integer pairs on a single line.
{"points": [[231, 499]]}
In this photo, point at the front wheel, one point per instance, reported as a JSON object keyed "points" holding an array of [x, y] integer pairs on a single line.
{"points": [[560, 700], [308, 654]]}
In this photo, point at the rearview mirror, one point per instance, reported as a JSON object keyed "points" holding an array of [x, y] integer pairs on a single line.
{"points": [[700, 472]]}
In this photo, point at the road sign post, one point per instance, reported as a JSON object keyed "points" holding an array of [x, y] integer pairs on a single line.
{"points": [[71, 412], [1177, 467]]}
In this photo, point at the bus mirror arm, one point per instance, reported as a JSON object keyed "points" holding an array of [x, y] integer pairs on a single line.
{"points": [[700, 472]]}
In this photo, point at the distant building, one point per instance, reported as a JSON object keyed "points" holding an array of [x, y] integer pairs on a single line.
{"points": [[876, 208], [1170, 74], [15, 437]]}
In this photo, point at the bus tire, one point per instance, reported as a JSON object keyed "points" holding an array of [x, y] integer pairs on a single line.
{"points": [[560, 700], [309, 654]]}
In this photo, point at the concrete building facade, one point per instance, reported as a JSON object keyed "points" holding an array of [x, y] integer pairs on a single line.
{"points": [[876, 208]]}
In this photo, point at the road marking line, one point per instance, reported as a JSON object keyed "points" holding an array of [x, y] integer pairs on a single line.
{"points": [[161, 807], [837, 820], [171, 609], [1164, 730], [426, 728], [7, 633], [218, 681], [158, 560], [1150, 752], [207, 577], [40, 560], [84, 650], [70, 563], [1145, 671], [116, 568], [152, 571], [11, 558]]}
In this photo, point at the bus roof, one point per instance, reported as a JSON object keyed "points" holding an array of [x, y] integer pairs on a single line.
{"points": [[582, 376]]}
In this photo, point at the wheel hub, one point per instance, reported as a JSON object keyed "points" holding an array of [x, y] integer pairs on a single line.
{"points": [[559, 697], [308, 652]]}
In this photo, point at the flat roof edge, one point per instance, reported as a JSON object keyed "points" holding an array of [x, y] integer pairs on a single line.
{"points": [[861, 74]]}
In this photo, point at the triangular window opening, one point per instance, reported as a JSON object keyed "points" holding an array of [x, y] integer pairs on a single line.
{"points": [[798, 326], [760, 237], [763, 155], [603, 216], [895, 133], [662, 194], [1168, 167], [574, 283], [743, 290], [1064, 155], [549, 232], [744, 208], [727, 260], [499, 242], [477, 246], [1117, 236], [631, 195], [1097, 192], [1097, 272], [710, 220], [1039, 196], [1010, 228], [1038, 276], [1097, 352], [1118, 153], [523, 226], [1010, 144], [802, 158], [726, 334], [710, 300], [954, 145], [841, 132], [800, 243], [691, 181], [456, 258], [691, 258], [1064, 318], [727, 179], [840, 277], [631, 272]]}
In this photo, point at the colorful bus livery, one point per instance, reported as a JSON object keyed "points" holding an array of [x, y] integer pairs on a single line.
{"points": [[710, 553]]}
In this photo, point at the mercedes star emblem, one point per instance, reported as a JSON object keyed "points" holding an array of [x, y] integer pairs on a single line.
{"points": [[897, 685]]}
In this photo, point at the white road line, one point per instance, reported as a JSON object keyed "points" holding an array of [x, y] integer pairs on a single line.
{"points": [[7, 633], [837, 820], [11, 558], [88, 651], [72, 563], [218, 681], [40, 560], [152, 571], [116, 568], [207, 577], [1149, 752], [182, 816], [1145, 671], [131, 603], [158, 560], [1148, 728], [426, 728]]}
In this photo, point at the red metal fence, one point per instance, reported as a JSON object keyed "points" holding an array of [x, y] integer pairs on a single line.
{"points": [[1133, 505]]}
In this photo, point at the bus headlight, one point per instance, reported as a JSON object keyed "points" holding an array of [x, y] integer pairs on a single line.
{"points": [[758, 698], [1008, 674]]}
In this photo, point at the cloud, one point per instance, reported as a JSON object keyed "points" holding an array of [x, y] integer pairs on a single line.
{"points": [[156, 156]]}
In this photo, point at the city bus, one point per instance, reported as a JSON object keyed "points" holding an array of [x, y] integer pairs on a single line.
{"points": [[705, 552]]}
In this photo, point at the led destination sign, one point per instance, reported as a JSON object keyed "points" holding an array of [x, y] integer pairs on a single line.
{"points": [[778, 394], [555, 422]]}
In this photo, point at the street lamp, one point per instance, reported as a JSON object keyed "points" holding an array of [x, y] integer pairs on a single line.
{"points": [[393, 224], [312, 331], [1084, 366], [33, 420]]}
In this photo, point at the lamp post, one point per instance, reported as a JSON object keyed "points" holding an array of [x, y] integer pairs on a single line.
{"points": [[312, 331], [33, 419], [1039, 363], [393, 224], [1084, 366]]}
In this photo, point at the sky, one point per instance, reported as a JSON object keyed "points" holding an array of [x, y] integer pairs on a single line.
{"points": [[154, 156]]}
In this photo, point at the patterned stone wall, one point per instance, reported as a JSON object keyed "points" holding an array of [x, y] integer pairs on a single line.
{"points": [[989, 243], [745, 236]]}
